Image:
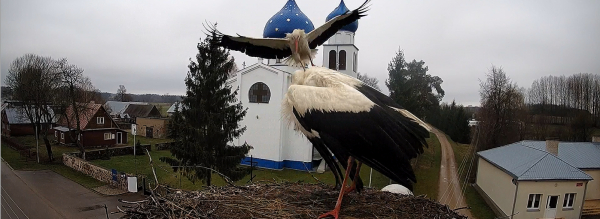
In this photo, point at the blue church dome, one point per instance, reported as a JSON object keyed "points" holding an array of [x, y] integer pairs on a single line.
{"points": [[341, 9], [289, 18]]}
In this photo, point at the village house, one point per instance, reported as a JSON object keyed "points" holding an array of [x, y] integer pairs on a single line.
{"points": [[171, 110], [541, 179], [152, 127], [135, 111], [125, 113], [97, 126], [16, 123]]}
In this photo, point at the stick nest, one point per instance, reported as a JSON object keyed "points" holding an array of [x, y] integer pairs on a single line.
{"points": [[281, 200]]}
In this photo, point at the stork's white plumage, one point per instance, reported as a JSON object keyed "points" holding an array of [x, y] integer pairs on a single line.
{"points": [[297, 47], [354, 121]]}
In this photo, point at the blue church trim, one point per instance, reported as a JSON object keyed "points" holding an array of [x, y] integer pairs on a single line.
{"points": [[278, 165]]}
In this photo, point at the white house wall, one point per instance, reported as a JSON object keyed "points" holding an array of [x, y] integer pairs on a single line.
{"points": [[593, 190], [497, 185], [547, 188]]}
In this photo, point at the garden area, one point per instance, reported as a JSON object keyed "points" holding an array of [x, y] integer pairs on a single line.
{"points": [[140, 165]]}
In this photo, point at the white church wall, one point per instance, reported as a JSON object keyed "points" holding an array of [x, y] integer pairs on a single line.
{"points": [[262, 119], [342, 37], [297, 152]]}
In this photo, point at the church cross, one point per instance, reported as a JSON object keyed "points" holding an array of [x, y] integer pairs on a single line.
{"points": [[260, 92]]}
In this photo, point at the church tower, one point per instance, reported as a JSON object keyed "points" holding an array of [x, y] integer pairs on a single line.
{"points": [[286, 20], [340, 53]]}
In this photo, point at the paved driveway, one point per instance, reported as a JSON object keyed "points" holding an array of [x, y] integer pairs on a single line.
{"points": [[46, 194]]}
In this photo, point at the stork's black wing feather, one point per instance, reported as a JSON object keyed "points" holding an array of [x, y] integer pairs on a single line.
{"points": [[339, 153], [382, 138], [329, 160], [318, 36], [268, 48]]}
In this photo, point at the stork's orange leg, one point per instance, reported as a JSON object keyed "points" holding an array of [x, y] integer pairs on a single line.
{"points": [[336, 211], [353, 186]]}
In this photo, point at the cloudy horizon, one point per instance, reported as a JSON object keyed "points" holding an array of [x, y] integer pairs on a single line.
{"points": [[146, 45]]}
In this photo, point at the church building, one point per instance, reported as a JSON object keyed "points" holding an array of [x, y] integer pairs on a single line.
{"points": [[263, 85]]}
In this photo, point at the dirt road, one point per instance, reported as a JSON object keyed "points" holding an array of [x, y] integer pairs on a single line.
{"points": [[449, 192]]}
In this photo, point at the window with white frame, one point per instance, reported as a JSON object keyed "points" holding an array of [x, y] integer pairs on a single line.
{"points": [[62, 135], [569, 199], [100, 120], [534, 201], [107, 136]]}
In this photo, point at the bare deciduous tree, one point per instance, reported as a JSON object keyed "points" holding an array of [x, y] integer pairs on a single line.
{"points": [[122, 94], [564, 107], [33, 80], [75, 99], [502, 111]]}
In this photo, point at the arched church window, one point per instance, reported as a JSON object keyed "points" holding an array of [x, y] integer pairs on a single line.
{"points": [[259, 93], [342, 59], [355, 63], [332, 60]]}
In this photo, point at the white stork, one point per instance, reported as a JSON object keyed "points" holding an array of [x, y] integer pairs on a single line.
{"points": [[297, 47], [342, 114]]}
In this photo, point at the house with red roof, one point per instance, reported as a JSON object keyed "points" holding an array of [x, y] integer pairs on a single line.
{"points": [[98, 129]]}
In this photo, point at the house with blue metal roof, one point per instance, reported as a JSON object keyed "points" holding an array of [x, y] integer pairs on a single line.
{"points": [[15, 121], [540, 179]]}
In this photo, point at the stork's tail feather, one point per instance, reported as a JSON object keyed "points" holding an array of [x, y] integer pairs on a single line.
{"points": [[415, 118], [291, 62]]}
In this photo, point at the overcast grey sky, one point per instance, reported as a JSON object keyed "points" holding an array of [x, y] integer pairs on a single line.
{"points": [[146, 45]]}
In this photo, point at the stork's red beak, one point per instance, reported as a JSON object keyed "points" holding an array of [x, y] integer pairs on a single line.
{"points": [[296, 43]]}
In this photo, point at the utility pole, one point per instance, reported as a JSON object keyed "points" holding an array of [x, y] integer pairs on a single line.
{"points": [[37, 143], [134, 132]]}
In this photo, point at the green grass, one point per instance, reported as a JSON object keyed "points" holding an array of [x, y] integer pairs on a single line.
{"points": [[140, 165], [479, 208], [14, 159], [427, 169], [144, 140]]}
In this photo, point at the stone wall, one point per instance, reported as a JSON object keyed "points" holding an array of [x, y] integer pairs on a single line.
{"points": [[116, 151], [95, 172]]}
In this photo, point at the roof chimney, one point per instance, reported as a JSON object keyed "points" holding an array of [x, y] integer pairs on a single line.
{"points": [[552, 146], [596, 138]]}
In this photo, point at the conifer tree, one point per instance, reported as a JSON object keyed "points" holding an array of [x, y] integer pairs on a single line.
{"points": [[208, 119], [411, 86]]}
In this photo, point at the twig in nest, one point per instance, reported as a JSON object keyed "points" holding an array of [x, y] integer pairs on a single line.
{"points": [[226, 178], [130, 202], [152, 165], [313, 176]]}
